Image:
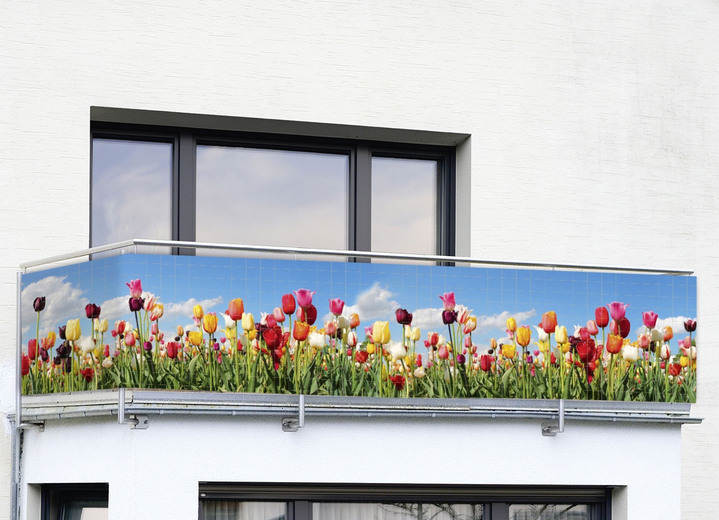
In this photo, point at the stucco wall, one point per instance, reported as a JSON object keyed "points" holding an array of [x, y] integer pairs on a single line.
{"points": [[154, 473], [593, 128]]}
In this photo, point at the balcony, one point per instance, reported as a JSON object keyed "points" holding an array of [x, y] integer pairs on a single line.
{"points": [[290, 335]]}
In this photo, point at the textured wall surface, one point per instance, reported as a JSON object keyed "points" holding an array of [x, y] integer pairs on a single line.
{"points": [[594, 129]]}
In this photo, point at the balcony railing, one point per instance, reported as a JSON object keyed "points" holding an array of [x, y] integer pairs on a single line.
{"points": [[460, 355]]}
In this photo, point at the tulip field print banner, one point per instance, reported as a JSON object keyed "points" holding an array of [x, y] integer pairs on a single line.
{"points": [[357, 329]]}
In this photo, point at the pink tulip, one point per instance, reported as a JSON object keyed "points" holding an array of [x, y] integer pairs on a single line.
{"points": [[649, 319], [135, 288], [448, 301], [304, 297], [592, 328], [279, 315], [336, 306], [617, 310], [644, 341], [443, 352]]}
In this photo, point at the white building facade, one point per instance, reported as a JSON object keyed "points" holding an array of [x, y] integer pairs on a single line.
{"points": [[583, 134]]}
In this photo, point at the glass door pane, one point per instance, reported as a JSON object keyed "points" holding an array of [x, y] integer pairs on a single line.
{"points": [[272, 197], [404, 205], [131, 191], [548, 512], [396, 511], [232, 510]]}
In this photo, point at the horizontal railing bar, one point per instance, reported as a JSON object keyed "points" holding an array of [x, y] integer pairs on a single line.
{"points": [[345, 253], [159, 402]]}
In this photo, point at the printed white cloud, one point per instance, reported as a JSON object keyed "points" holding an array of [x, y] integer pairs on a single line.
{"points": [[427, 319], [499, 321], [63, 301], [373, 304], [176, 310], [115, 308]]}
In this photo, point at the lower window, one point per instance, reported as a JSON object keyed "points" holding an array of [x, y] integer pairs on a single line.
{"points": [[346, 502], [74, 502]]}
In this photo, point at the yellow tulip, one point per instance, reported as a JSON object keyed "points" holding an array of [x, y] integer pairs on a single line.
{"points": [[524, 335], [380, 332], [370, 348], [509, 350], [248, 321], [683, 361], [511, 324], [561, 334], [195, 338], [198, 312], [230, 333], [412, 333], [72, 330], [209, 322], [100, 325]]}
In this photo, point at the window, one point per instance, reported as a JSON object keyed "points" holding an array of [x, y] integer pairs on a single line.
{"points": [[74, 502], [197, 184], [221, 501]]}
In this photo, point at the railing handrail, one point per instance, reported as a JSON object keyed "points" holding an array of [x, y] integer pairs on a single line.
{"points": [[135, 242]]}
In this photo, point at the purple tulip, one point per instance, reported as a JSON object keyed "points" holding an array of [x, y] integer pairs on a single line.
{"points": [[39, 303], [449, 317], [136, 304]]}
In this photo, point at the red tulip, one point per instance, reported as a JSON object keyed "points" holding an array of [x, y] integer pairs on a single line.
{"points": [[397, 381], [485, 362], [288, 304], [361, 356], [690, 325], [675, 369], [308, 315], [621, 328], [32, 349], [601, 317], [272, 337], [25, 366]]}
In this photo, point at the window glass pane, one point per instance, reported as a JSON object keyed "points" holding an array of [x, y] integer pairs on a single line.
{"points": [[548, 512], [85, 510], [272, 197], [396, 511], [231, 510], [404, 205], [131, 190]]}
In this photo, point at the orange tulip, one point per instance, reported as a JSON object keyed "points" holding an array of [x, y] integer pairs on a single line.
{"points": [[614, 344], [236, 309], [549, 322], [301, 331]]}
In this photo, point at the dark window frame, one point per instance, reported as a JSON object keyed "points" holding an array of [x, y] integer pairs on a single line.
{"points": [[495, 499], [186, 139], [56, 497]]}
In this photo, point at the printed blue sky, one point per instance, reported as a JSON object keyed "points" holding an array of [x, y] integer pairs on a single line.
{"points": [[375, 291]]}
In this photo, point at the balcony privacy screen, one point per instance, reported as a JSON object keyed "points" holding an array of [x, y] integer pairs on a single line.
{"points": [[474, 331]]}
